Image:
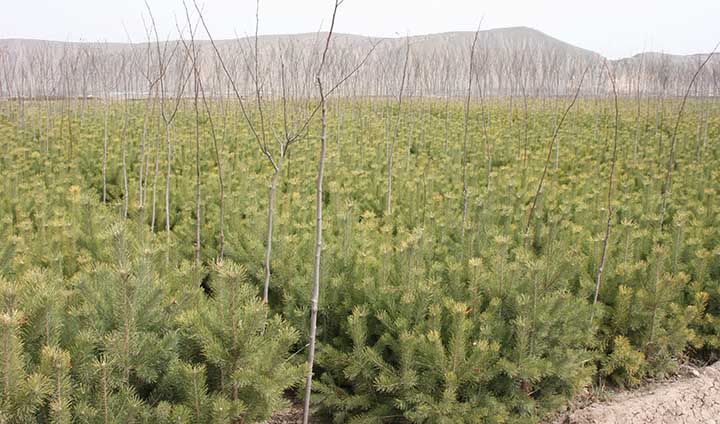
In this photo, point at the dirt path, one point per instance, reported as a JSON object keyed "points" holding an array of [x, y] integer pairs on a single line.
{"points": [[688, 400]]}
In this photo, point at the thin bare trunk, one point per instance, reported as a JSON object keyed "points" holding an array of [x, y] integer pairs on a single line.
{"points": [[388, 206], [465, 133], [155, 178], [318, 225], [270, 217], [167, 181], [105, 148], [550, 149], [608, 225], [126, 192], [667, 186]]}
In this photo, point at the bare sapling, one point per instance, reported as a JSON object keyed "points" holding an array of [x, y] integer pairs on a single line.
{"points": [[283, 141], [192, 54], [148, 112], [549, 154], [466, 130], [610, 211], [218, 164], [318, 220], [168, 113], [391, 150], [667, 185], [126, 117]]}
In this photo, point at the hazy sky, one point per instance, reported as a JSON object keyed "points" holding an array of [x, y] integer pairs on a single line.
{"points": [[614, 28]]}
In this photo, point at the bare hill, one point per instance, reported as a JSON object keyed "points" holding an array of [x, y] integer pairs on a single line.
{"points": [[511, 61]]}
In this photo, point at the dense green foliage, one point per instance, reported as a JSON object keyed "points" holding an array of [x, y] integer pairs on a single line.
{"points": [[418, 323], [98, 326]]}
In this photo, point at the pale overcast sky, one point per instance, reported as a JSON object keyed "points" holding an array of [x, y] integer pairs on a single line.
{"points": [[615, 28]]}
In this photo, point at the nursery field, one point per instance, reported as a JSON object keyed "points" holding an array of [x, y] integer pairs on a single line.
{"points": [[475, 268]]}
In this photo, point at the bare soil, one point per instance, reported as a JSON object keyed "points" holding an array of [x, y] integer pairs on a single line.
{"points": [[293, 415], [690, 399]]}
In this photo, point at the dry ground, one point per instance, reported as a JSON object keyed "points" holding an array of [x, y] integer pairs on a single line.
{"points": [[691, 399], [293, 415]]}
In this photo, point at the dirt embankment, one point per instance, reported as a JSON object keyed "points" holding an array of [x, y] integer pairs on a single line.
{"points": [[693, 399]]}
